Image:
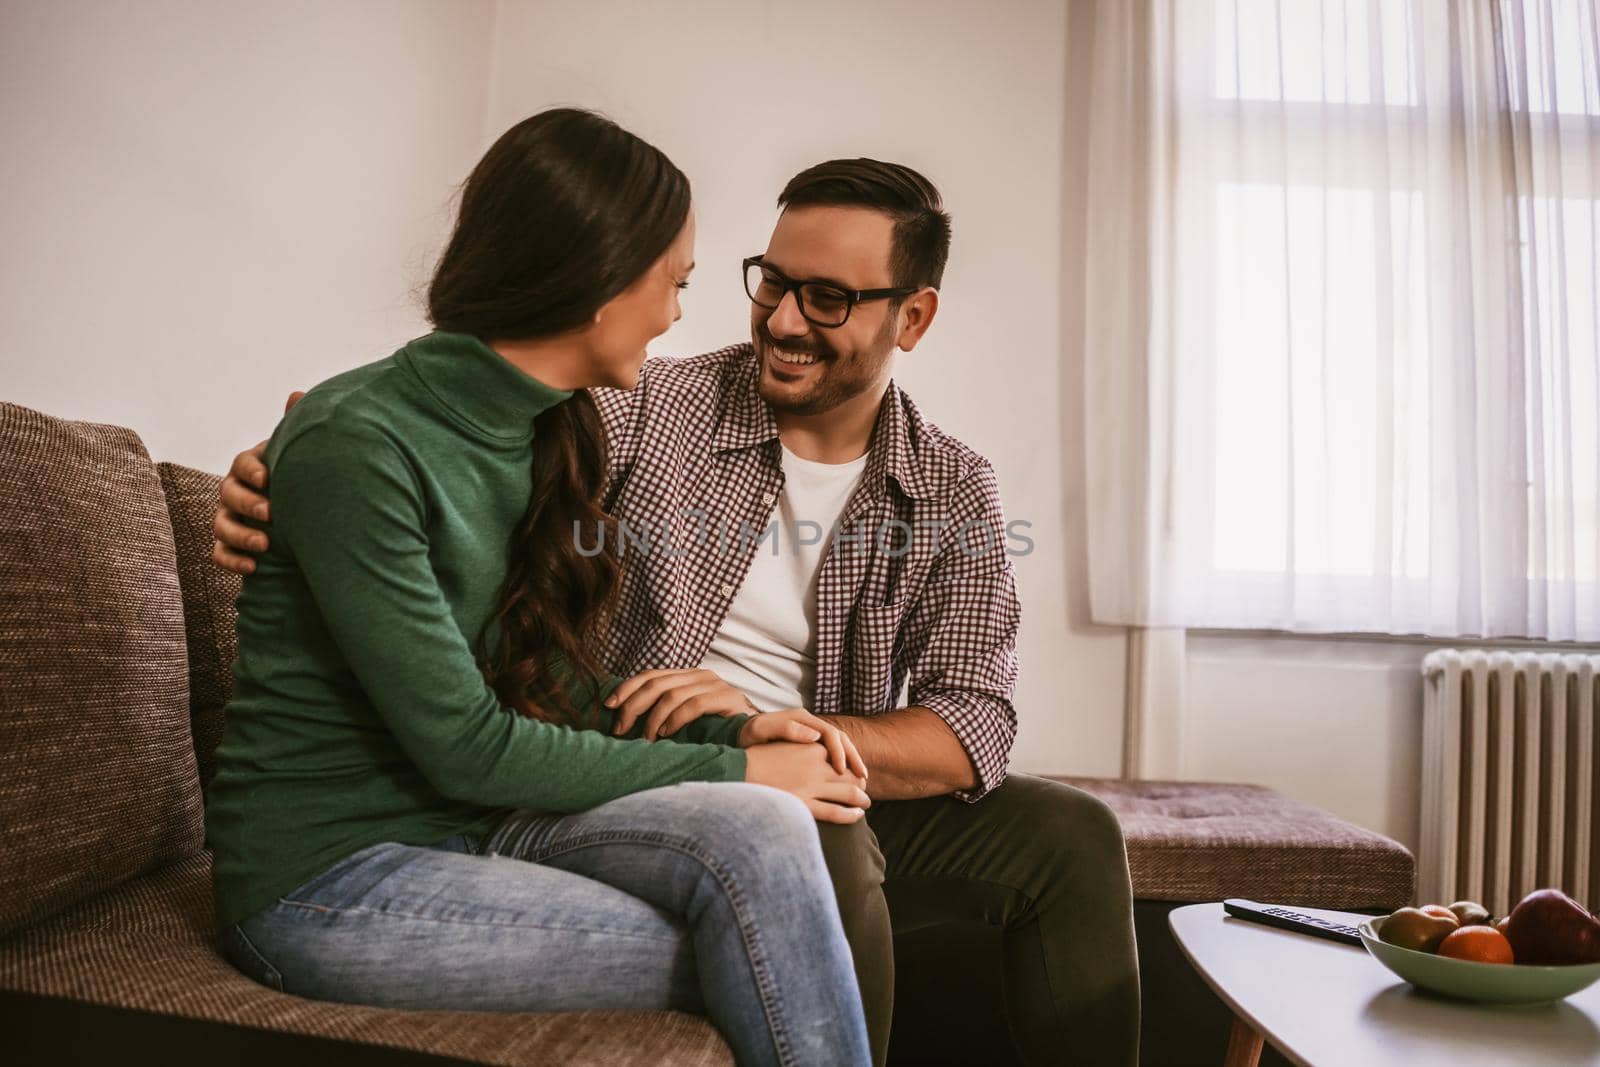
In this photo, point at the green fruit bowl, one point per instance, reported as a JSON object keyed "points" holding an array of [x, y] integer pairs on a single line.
{"points": [[1490, 983]]}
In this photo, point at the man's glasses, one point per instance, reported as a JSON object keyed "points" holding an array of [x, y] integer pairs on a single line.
{"points": [[821, 304]]}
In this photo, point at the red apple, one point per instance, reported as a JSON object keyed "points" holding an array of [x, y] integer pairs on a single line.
{"points": [[1548, 927]]}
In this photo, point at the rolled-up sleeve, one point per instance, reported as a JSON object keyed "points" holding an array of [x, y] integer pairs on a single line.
{"points": [[960, 639]]}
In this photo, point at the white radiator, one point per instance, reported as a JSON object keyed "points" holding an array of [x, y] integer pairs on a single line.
{"points": [[1509, 757]]}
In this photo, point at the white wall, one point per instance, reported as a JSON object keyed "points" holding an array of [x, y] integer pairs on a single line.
{"points": [[209, 203], [744, 95], [1335, 723]]}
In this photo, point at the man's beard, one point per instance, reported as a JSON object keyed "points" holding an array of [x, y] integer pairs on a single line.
{"points": [[838, 379]]}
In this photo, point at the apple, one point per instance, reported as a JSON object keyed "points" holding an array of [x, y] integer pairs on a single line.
{"points": [[1550, 928]]}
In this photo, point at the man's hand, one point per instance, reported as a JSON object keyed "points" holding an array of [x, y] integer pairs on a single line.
{"points": [[798, 724], [241, 496], [673, 698]]}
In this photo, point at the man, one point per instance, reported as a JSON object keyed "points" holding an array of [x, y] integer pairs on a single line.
{"points": [[794, 526]]}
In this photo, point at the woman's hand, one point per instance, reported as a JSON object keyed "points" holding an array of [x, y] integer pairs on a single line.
{"points": [[799, 725], [672, 699], [804, 770]]}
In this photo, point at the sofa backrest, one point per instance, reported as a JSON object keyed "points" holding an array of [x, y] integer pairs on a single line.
{"points": [[209, 614], [98, 782]]}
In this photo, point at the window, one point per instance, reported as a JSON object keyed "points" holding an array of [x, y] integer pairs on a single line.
{"points": [[1374, 336]]}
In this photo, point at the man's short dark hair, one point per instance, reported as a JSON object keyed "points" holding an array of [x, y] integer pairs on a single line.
{"points": [[921, 228]]}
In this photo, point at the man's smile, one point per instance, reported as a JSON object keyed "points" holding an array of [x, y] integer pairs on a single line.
{"points": [[788, 359], [793, 359]]}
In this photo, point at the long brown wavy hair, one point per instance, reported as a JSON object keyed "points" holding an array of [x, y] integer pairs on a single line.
{"points": [[563, 212]]}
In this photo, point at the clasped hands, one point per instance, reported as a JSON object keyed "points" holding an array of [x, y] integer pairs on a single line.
{"points": [[792, 750]]}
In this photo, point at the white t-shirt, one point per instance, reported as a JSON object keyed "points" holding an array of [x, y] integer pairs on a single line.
{"points": [[767, 644]]}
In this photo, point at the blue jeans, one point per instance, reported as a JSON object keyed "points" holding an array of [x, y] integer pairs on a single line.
{"points": [[700, 897]]}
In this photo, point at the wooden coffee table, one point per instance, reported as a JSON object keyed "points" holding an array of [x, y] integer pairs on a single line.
{"points": [[1322, 1003]]}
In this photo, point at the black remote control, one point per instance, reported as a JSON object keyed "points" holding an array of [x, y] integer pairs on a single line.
{"points": [[1289, 919]]}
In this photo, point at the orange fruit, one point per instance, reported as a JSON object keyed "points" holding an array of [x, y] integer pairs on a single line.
{"points": [[1483, 944]]}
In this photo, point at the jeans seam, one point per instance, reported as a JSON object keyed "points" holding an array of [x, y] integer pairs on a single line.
{"points": [[414, 916], [764, 983], [250, 947]]}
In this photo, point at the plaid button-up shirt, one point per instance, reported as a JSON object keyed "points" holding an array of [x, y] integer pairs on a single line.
{"points": [[915, 587]]}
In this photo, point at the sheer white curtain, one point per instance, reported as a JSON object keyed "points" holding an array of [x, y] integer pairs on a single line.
{"points": [[1343, 337]]}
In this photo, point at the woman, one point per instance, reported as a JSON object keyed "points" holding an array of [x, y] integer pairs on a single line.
{"points": [[418, 802]]}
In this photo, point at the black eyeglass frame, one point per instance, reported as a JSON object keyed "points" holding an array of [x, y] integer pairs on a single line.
{"points": [[852, 296]]}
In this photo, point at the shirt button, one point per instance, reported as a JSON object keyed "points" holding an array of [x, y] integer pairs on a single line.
{"points": [[727, 590], [767, 498]]}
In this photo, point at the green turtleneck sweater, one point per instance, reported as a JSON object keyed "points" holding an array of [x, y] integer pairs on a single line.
{"points": [[359, 712]]}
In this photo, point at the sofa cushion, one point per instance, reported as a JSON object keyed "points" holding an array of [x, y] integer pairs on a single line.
{"points": [[97, 772], [147, 945], [209, 593], [1204, 841]]}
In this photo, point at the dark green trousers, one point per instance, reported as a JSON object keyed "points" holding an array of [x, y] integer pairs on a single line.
{"points": [[1039, 859]]}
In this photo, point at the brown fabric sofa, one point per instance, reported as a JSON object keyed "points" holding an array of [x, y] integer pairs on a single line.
{"points": [[116, 644]]}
